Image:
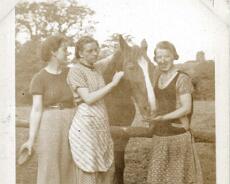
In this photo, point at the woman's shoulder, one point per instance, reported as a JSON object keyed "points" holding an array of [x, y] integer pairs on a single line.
{"points": [[37, 82], [75, 67], [40, 74], [184, 83], [76, 72], [182, 75]]}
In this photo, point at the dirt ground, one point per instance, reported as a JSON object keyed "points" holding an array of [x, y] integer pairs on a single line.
{"points": [[137, 151]]}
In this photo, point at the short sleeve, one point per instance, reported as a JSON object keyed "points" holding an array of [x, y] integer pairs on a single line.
{"points": [[184, 84], [36, 85], [76, 78]]}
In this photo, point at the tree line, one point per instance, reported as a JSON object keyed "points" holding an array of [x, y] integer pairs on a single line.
{"points": [[38, 20]]}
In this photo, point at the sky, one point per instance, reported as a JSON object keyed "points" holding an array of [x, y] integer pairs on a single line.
{"points": [[189, 25]]}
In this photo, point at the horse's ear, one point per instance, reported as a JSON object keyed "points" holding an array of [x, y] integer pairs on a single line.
{"points": [[144, 45], [123, 43]]}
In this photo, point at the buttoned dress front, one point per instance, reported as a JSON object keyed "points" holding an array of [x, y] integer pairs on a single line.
{"points": [[90, 139]]}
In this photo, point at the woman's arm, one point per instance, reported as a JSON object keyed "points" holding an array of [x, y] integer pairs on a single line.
{"points": [[184, 109], [35, 117], [92, 97]]}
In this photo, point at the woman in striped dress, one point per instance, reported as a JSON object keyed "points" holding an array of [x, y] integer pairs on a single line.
{"points": [[174, 159], [89, 135]]}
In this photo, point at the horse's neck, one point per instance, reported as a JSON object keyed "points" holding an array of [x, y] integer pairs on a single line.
{"points": [[108, 74], [149, 85], [123, 90]]}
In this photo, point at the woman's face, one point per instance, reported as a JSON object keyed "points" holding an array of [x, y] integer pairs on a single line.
{"points": [[62, 53], [90, 52], [164, 59]]}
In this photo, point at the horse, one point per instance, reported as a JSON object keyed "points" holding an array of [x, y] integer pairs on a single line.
{"points": [[137, 67]]}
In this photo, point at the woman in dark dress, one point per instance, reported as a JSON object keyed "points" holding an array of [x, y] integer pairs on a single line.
{"points": [[174, 159], [51, 115]]}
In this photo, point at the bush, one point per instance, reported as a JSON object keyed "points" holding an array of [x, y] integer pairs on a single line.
{"points": [[27, 64], [203, 78]]}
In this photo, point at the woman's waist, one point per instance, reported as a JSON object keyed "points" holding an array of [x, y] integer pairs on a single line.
{"points": [[95, 110], [168, 128], [59, 106], [91, 116], [90, 125]]}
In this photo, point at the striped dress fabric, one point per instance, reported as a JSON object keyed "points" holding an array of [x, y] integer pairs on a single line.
{"points": [[90, 140]]}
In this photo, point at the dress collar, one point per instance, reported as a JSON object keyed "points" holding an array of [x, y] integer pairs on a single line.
{"points": [[87, 66]]}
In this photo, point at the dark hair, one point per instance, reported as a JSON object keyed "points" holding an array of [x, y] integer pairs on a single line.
{"points": [[51, 44], [166, 45], [81, 42]]}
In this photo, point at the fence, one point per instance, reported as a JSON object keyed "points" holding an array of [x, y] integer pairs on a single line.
{"points": [[118, 131]]}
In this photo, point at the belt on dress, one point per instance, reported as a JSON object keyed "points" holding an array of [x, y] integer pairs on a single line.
{"points": [[60, 106]]}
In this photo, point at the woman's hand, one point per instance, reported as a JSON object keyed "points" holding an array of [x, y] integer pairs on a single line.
{"points": [[117, 77], [28, 145], [158, 118], [25, 152]]}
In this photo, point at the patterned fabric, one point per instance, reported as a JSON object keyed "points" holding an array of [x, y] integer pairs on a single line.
{"points": [[89, 135], [53, 88], [96, 177], [173, 157], [174, 160], [55, 163], [184, 84]]}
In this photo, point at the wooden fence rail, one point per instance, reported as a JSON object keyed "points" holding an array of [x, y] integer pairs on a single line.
{"points": [[117, 131]]}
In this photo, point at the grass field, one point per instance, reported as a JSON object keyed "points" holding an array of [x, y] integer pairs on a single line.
{"points": [[137, 151]]}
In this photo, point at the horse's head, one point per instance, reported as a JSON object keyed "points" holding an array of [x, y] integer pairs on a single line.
{"points": [[139, 72]]}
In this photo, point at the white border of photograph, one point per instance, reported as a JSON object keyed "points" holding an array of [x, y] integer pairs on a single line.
{"points": [[7, 92]]}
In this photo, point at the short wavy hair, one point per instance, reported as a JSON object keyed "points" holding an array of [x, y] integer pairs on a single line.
{"points": [[166, 45], [51, 44], [81, 42]]}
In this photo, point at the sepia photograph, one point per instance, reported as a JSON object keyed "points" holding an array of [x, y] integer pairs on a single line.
{"points": [[117, 92]]}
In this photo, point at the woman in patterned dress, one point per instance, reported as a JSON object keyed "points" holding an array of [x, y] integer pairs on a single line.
{"points": [[174, 159], [90, 140], [51, 115]]}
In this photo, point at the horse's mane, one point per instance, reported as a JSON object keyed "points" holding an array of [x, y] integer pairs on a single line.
{"points": [[116, 65]]}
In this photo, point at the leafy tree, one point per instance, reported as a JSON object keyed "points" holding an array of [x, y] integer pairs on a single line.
{"points": [[27, 64], [112, 43], [42, 19]]}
